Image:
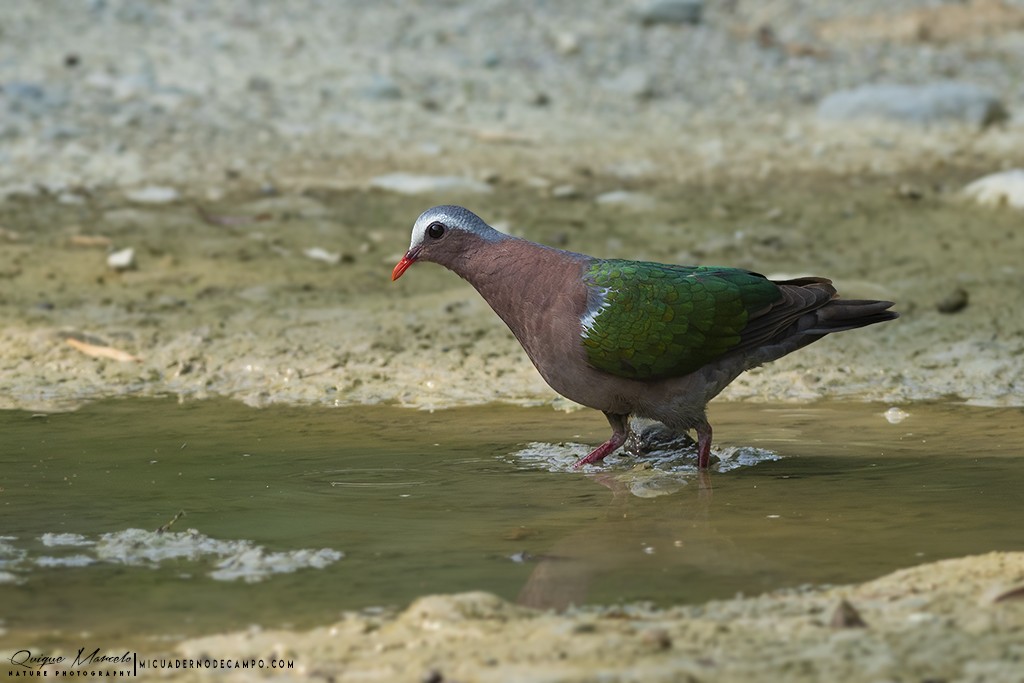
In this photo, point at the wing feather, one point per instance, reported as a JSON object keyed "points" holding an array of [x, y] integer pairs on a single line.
{"points": [[652, 321]]}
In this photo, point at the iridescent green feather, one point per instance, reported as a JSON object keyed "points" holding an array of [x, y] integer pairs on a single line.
{"points": [[651, 320]]}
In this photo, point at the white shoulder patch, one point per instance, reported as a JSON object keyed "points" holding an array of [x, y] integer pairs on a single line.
{"points": [[598, 303]]}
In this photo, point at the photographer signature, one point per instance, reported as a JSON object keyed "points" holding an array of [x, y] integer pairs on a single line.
{"points": [[27, 660]]}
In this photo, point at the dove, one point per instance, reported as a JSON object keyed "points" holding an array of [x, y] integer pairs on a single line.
{"points": [[634, 338]]}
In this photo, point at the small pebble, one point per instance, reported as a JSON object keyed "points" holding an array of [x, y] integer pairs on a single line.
{"points": [[670, 12], [377, 87], [318, 254], [633, 82], [257, 83], [122, 259], [636, 200], [153, 194], [658, 638], [908, 191], [846, 616], [70, 198], [432, 676], [565, 192], [954, 302], [567, 43]]}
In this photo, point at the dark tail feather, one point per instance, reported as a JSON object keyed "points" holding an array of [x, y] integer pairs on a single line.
{"points": [[809, 310], [848, 314]]}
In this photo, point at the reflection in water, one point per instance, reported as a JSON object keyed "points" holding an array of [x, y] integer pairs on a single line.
{"points": [[666, 465], [686, 536]]}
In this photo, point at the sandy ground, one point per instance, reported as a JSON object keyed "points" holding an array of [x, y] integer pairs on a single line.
{"points": [[953, 620], [238, 148]]}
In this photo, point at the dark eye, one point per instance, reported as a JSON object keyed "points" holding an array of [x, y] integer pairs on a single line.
{"points": [[435, 230]]}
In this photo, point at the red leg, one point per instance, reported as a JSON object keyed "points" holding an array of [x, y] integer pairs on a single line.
{"points": [[602, 451], [703, 446], [620, 426]]}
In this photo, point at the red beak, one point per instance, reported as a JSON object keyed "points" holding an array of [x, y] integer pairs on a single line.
{"points": [[403, 265]]}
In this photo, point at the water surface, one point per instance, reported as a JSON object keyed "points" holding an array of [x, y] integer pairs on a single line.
{"points": [[442, 502]]}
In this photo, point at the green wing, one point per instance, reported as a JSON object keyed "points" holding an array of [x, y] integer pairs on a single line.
{"points": [[651, 321]]}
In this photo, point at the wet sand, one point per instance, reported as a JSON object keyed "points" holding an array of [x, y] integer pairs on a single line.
{"points": [[225, 301]]}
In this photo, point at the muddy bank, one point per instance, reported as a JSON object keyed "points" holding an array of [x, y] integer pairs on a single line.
{"points": [[287, 298], [952, 620]]}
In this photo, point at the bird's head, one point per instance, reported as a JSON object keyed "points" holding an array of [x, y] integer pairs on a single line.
{"points": [[445, 235]]}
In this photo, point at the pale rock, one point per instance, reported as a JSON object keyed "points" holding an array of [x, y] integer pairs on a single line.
{"points": [[153, 194], [932, 103], [413, 183], [625, 198], [320, 254], [999, 189], [633, 82], [122, 259], [567, 43]]}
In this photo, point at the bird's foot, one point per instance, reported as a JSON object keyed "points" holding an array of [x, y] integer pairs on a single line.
{"points": [[656, 439], [602, 451]]}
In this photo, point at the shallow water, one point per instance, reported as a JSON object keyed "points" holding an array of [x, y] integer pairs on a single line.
{"points": [[469, 499]]}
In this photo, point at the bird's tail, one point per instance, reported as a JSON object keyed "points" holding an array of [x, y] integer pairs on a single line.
{"points": [[848, 314], [810, 309]]}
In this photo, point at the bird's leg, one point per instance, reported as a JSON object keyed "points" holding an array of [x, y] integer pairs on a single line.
{"points": [[703, 446], [602, 451], [620, 428]]}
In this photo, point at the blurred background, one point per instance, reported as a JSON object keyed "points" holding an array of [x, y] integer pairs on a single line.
{"points": [[121, 92], [219, 190]]}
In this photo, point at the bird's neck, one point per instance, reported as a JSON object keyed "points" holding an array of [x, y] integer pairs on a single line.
{"points": [[526, 284]]}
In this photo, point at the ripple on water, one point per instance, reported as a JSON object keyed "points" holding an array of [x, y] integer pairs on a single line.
{"points": [[655, 473], [382, 477], [364, 477]]}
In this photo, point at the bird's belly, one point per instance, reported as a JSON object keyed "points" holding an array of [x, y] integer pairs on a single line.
{"points": [[569, 375], [564, 366], [678, 402], [596, 390]]}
